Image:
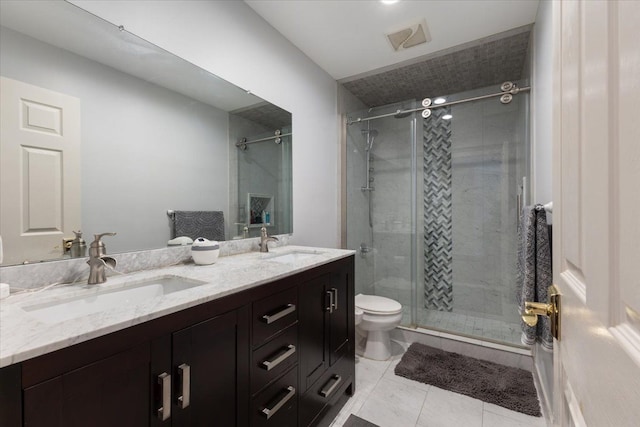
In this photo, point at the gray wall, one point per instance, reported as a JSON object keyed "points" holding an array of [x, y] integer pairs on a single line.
{"points": [[145, 149]]}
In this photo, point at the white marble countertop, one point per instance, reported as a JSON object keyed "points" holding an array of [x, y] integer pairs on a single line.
{"points": [[23, 336]]}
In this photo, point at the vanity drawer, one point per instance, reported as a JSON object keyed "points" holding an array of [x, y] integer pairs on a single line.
{"points": [[273, 314], [326, 391], [277, 405], [274, 358]]}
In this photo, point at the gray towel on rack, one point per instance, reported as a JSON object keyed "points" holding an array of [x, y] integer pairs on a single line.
{"points": [[534, 271], [194, 224]]}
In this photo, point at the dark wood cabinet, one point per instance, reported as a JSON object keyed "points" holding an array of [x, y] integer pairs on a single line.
{"points": [[204, 368], [327, 353], [191, 377], [112, 391], [280, 354]]}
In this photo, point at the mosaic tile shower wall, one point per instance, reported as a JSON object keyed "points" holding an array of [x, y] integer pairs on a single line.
{"points": [[438, 243]]}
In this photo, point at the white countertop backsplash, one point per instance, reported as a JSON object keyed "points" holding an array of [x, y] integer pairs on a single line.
{"points": [[22, 336]]}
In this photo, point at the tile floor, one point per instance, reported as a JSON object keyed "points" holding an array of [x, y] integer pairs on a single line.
{"points": [[391, 401]]}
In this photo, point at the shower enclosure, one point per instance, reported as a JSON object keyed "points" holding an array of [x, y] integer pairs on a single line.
{"points": [[432, 209]]}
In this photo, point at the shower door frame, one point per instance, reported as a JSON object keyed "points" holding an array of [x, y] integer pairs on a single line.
{"points": [[414, 264]]}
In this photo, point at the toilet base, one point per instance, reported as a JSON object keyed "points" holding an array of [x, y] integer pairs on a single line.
{"points": [[378, 345]]}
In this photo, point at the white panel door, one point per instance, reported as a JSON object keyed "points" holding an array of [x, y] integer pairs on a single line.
{"points": [[39, 171], [596, 243]]}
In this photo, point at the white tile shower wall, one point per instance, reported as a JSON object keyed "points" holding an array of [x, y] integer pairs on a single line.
{"points": [[232, 41]]}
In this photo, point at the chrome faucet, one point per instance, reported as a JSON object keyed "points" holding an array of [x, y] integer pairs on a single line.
{"points": [[98, 259], [264, 239]]}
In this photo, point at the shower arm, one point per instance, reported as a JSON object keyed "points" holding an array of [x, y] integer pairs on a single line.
{"points": [[444, 104]]}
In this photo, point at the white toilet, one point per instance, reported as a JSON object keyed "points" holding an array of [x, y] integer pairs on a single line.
{"points": [[379, 316]]}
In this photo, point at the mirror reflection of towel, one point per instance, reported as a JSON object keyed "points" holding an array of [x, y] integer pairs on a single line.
{"points": [[534, 271], [194, 224]]}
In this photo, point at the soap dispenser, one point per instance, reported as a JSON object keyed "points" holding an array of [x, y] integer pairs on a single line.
{"points": [[78, 246]]}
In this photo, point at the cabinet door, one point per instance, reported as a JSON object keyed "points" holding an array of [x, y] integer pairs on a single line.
{"points": [[111, 392], [339, 316], [11, 392], [314, 307], [204, 373]]}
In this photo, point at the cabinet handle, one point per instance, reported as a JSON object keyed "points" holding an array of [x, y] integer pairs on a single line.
{"points": [[270, 364], [164, 380], [331, 303], [335, 380], [270, 412], [270, 318], [184, 372], [335, 298]]}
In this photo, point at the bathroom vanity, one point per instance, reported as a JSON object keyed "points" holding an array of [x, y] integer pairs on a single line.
{"points": [[264, 340]]}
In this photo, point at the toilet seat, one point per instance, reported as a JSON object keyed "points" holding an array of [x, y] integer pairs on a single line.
{"points": [[375, 304]]}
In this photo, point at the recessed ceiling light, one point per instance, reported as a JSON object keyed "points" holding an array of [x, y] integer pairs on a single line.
{"points": [[439, 101], [389, 1], [447, 117]]}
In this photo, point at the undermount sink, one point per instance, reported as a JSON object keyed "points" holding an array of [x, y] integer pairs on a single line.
{"points": [[293, 256], [129, 295]]}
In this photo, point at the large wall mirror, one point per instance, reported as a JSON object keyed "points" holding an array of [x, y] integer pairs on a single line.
{"points": [[105, 132]]}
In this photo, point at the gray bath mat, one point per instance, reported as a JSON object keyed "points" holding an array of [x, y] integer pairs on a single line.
{"points": [[354, 421], [508, 387]]}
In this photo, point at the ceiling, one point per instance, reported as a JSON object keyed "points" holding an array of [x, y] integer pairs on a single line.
{"points": [[347, 38], [484, 63]]}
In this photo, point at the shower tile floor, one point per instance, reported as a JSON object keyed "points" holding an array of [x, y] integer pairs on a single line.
{"points": [[479, 311], [474, 326], [388, 400], [466, 324]]}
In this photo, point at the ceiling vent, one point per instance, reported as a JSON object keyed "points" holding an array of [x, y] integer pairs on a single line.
{"points": [[409, 37]]}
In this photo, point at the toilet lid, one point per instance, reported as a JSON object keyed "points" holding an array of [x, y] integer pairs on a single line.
{"points": [[377, 304]]}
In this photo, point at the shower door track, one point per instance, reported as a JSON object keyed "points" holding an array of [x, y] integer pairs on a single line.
{"points": [[514, 91]]}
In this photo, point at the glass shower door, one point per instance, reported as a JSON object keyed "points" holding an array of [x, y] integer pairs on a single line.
{"points": [[486, 144], [381, 189]]}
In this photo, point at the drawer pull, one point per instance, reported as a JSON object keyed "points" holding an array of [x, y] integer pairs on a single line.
{"points": [[335, 380], [164, 380], [335, 298], [270, 364], [184, 372], [270, 318], [270, 412]]}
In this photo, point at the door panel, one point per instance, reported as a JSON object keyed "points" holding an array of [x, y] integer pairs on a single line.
{"points": [[209, 351], [596, 206], [313, 308], [39, 171], [339, 318], [110, 392]]}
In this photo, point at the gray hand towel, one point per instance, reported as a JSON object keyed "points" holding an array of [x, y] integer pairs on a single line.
{"points": [[534, 271]]}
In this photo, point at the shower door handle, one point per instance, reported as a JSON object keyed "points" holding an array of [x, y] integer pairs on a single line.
{"points": [[552, 309]]}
